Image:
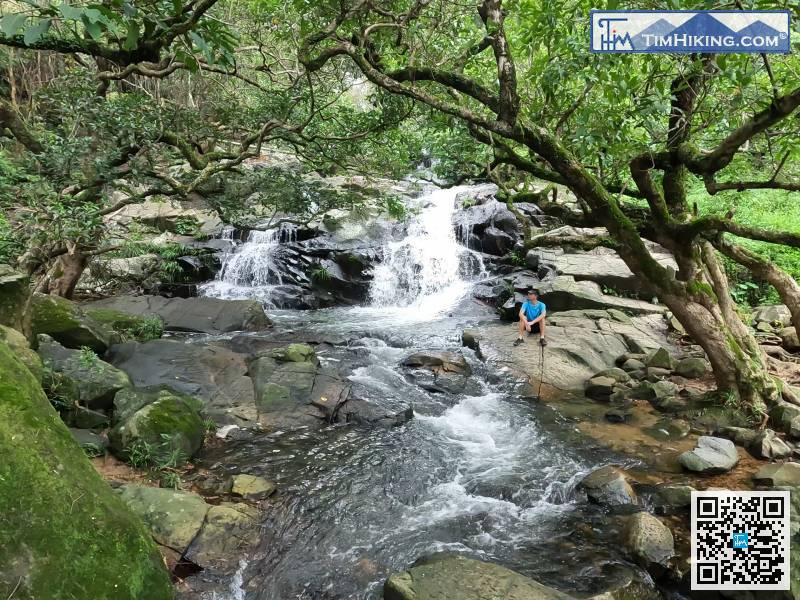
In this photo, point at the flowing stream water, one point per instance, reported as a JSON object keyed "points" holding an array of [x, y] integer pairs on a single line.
{"points": [[481, 473]]}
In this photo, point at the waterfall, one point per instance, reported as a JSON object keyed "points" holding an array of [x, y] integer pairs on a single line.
{"points": [[428, 268], [250, 270]]}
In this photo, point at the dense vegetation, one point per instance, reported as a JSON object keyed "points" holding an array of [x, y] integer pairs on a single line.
{"points": [[108, 104]]}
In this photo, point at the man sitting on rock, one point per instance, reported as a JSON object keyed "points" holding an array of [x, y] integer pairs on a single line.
{"points": [[531, 318]]}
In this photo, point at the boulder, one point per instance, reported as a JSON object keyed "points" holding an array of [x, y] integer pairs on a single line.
{"points": [[439, 371], [202, 315], [171, 216], [632, 365], [608, 485], [743, 436], [230, 531], [604, 267], [251, 487], [789, 339], [496, 241], [711, 456], [672, 497], [600, 388], [19, 345], [64, 533], [766, 445], [93, 381], [173, 517], [442, 577], [660, 358], [167, 430], [615, 373], [294, 353], [142, 328], [649, 541], [14, 294], [91, 443], [130, 400], [775, 475], [209, 371], [564, 293], [776, 314], [66, 323], [618, 415], [692, 368], [786, 417], [81, 417]]}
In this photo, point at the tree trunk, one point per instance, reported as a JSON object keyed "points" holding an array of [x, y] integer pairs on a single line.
{"points": [[66, 273]]}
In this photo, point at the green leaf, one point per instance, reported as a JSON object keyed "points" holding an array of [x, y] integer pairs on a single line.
{"points": [[93, 28], [70, 12], [10, 24], [36, 31], [199, 42], [132, 37]]}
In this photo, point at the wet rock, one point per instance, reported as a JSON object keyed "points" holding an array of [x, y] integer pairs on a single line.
{"points": [[296, 353], [130, 400], [448, 370], [93, 382], [743, 436], [608, 485], [691, 368], [139, 327], [655, 374], [660, 358], [670, 497], [789, 339], [618, 415], [448, 361], [469, 339], [649, 541], [600, 388], [168, 429], [251, 487], [362, 412], [670, 429], [81, 417], [633, 364], [711, 456], [496, 241], [208, 371], [173, 517], [202, 315], [774, 475], [68, 324], [767, 445], [230, 531], [441, 577]]}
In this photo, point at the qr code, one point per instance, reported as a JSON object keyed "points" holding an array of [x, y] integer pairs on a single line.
{"points": [[740, 540]]}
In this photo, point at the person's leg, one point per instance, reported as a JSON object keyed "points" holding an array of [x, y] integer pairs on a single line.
{"points": [[534, 328], [542, 339], [523, 325]]}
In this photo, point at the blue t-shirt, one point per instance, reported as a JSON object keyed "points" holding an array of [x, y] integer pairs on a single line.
{"points": [[532, 311]]}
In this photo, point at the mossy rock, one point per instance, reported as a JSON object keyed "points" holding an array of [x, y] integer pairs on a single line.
{"points": [[168, 430], [81, 374], [19, 345], [297, 353], [129, 400], [142, 328], [14, 293], [64, 534], [65, 322]]}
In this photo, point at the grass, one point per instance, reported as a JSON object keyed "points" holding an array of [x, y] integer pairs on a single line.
{"points": [[163, 466]]}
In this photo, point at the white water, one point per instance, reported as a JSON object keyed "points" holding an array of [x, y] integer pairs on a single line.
{"points": [[250, 270], [427, 271]]}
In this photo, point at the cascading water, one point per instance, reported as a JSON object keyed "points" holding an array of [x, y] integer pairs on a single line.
{"points": [[250, 271], [428, 269]]}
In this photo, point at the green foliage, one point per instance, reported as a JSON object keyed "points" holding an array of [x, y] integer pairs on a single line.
{"points": [[516, 258], [92, 449], [395, 207], [89, 359], [320, 274], [162, 460]]}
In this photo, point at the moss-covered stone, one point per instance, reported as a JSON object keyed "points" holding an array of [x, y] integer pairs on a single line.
{"points": [[64, 534], [94, 381], [14, 292], [168, 430], [142, 328], [294, 353], [19, 345], [130, 400], [65, 322]]}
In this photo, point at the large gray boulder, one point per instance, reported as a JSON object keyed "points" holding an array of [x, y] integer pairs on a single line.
{"points": [[203, 315], [230, 531], [774, 314], [80, 375], [209, 371], [565, 293], [14, 293], [441, 371], [786, 417], [608, 485], [604, 267], [458, 577], [711, 456], [789, 339], [775, 475], [649, 541], [68, 324], [767, 445]]}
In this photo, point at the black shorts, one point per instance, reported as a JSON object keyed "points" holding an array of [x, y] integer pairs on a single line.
{"points": [[536, 328]]}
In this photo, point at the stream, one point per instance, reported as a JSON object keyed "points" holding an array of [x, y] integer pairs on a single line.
{"points": [[482, 473]]}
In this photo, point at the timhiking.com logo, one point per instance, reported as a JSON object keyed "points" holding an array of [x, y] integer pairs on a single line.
{"points": [[690, 31]]}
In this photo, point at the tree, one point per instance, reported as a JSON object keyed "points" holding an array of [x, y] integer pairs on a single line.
{"points": [[528, 89], [153, 100]]}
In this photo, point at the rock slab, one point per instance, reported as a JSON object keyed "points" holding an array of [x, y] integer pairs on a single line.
{"points": [[711, 456]]}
